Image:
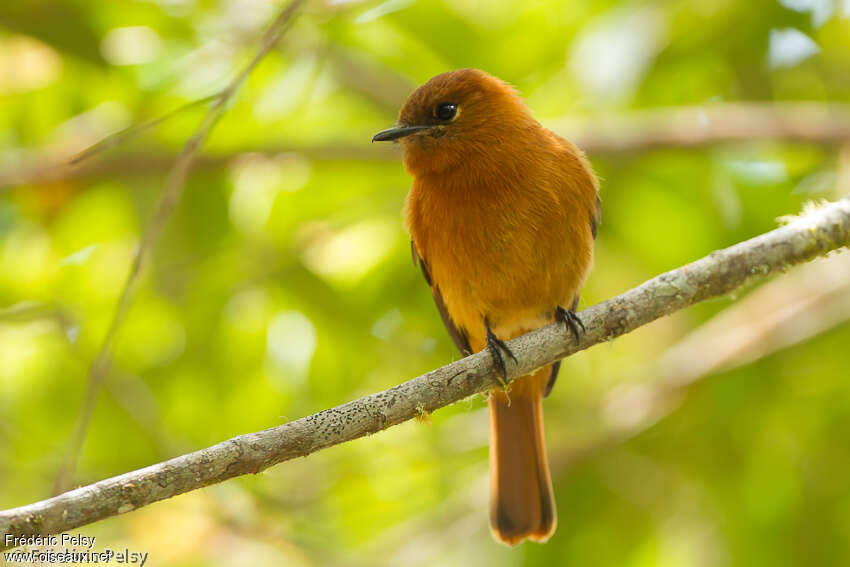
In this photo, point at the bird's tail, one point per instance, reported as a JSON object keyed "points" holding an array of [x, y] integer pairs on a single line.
{"points": [[521, 501]]}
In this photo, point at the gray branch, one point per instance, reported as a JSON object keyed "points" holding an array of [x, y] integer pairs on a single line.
{"points": [[813, 234]]}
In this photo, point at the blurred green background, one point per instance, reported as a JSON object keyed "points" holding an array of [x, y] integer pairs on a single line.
{"points": [[283, 283]]}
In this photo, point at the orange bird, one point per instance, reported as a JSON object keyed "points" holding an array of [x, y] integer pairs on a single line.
{"points": [[502, 215]]}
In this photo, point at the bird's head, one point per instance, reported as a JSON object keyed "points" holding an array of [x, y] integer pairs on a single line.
{"points": [[455, 116]]}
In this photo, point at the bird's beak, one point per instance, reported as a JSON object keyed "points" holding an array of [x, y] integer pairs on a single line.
{"points": [[397, 132]]}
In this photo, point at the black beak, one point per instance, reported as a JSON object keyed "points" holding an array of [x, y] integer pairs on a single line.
{"points": [[397, 132]]}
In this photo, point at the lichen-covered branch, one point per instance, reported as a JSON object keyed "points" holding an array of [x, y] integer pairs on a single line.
{"points": [[817, 232]]}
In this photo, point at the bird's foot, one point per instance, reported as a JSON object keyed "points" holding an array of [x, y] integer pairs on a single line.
{"points": [[497, 346], [569, 318]]}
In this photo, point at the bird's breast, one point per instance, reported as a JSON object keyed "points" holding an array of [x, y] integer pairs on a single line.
{"points": [[495, 251]]}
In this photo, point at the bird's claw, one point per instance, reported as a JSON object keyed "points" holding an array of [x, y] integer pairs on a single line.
{"points": [[569, 318], [496, 346]]}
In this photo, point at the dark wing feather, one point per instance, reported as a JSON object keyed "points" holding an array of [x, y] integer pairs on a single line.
{"points": [[596, 218], [553, 377], [458, 336]]}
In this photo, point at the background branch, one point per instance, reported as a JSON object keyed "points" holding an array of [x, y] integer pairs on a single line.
{"points": [[688, 126], [174, 184], [819, 231]]}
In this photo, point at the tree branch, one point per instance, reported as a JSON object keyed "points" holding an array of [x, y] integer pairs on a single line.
{"points": [[172, 192], [699, 125], [813, 234], [779, 314], [688, 126]]}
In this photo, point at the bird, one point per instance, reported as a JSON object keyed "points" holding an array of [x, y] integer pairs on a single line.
{"points": [[502, 215]]}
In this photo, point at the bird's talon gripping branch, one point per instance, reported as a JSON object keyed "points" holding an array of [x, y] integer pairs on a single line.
{"points": [[496, 346], [569, 318]]}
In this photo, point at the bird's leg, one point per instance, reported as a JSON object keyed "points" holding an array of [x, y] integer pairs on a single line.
{"points": [[569, 318], [496, 346]]}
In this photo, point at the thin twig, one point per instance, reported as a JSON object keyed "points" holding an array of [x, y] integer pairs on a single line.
{"points": [[118, 137], [721, 272], [174, 184]]}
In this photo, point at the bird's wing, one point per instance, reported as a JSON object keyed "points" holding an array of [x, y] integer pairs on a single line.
{"points": [[595, 220], [458, 335]]}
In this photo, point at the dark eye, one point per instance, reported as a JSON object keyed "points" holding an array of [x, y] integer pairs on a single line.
{"points": [[445, 111]]}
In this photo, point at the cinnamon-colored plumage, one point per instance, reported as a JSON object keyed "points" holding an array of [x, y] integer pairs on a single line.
{"points": [[502, 215]]}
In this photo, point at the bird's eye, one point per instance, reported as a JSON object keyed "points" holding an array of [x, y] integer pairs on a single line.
{"points": [[445, 111]]}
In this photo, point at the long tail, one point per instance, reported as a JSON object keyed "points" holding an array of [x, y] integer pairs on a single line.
{"points": [[521, 501]]}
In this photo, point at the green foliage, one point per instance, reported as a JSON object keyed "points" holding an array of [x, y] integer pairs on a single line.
{"points": [[283, 283]]}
